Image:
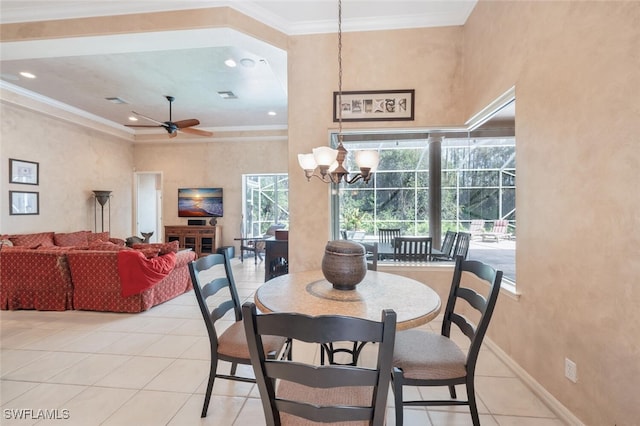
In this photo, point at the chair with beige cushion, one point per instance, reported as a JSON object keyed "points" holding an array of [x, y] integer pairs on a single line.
{"points": [[298, 393], [209, 276], [421, 358]]}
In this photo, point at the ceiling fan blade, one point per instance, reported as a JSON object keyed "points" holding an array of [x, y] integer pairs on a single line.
{"points": [[186, 123], [142, 125], [196, 131], [148, 118]]}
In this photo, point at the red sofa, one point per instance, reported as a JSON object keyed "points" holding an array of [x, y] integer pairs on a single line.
{"points": [[35, 279], [81, 272], [97, 285]]}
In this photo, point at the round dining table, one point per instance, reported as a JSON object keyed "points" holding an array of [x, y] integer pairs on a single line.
{"points": [[310, 293]]}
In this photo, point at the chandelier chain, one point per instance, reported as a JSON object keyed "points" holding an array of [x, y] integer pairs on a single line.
{"points": [[340, 71]]}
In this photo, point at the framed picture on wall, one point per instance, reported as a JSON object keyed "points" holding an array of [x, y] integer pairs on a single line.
{"points": [[374, 105], [24, 203], [25, 172]]}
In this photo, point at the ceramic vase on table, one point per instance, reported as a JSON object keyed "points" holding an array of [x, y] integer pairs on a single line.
{"points": [[344, 264]]}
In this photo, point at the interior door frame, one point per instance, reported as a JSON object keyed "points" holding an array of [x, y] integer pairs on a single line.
{"points": [[159, 231]]}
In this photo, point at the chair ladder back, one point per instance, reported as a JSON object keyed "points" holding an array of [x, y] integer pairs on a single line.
{"points": [[387, 235], [461, 247], [412, 248], [321, 329], [447, 243], [484, 305]]}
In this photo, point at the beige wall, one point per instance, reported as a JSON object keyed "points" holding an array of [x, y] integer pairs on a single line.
{"points": [[576, 70], [427, 60], [217, 164], [73, 161]]}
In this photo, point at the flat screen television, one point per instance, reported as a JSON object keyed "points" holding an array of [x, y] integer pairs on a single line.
{"points": [[200, 202]]}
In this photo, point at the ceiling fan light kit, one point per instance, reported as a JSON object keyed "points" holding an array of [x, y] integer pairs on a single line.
{"points": [[172, 127]]}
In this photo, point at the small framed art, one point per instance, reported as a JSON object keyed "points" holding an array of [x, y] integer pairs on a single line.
{"points": [[374, 105], [25, 172], [24, 203]]}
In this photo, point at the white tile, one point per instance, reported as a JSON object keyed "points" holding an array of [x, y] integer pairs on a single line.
{"points": [[222, 411], [509, 396], [26, 337], [148, 408], [527, 421], [94, 341], [44, 396], [170, 346], [131, 344], [12, 359], [91, 369], [490, 365], [45, 367], [450, 418], [251, 414], [56, 340], [10, 389], [135, 373], [93, 405], [183, 375], [191, 327]]}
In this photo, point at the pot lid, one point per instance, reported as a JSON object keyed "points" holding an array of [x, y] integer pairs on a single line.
{"points": [[344, 247]]}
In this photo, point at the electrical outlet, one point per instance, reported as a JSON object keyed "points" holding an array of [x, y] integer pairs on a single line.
{"points": [[570, 370]]}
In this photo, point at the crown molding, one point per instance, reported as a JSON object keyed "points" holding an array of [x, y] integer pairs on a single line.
{"points": [[19, 96]]}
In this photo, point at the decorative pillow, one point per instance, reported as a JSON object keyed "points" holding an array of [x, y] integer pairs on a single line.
{"points": [[6, 242], [97, 236], [78, 238], [44, 239], [117, 241], [106, 246], [149, 252], [164, 248]]}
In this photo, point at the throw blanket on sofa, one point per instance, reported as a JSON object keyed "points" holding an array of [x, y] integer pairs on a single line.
{"points": [[137, 273]]}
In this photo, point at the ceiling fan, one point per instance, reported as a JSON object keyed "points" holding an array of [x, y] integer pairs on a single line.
{"points": [[171, 126]]}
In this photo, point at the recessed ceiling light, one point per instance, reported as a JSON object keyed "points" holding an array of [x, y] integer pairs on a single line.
{"points": [[227, 95], [247, 62], [26, 74], [272, 113], [230, 63], [132, 118]]}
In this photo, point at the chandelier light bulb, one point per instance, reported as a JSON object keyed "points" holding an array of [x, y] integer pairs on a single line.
{"points": [[325, 156], [367, 160]]}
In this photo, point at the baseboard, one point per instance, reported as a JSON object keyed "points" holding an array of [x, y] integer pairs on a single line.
{"points": [[549, 400]]}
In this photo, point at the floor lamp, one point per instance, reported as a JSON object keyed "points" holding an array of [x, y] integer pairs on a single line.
{"points": [[102, 198]]}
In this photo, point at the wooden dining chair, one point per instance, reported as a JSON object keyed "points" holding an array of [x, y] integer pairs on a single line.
{"points": [[461, 248], [295, 393], [422, 358], [447, 247], [212, 279], [387, 235], [412, 249], [371, 255]]}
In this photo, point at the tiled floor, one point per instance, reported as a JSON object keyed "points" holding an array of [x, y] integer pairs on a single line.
{"points": [[91, 368]]}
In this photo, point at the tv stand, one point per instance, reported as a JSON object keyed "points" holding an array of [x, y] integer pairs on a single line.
{"points": [[203, 240]]}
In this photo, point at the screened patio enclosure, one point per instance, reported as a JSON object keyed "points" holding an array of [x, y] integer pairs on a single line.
{"points": [[477, 182], [265, 202]]}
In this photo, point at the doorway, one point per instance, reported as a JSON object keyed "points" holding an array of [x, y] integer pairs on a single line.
{"points": [[148, 205]]}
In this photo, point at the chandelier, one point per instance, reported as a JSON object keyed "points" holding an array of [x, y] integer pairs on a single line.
{"points": [[327, 164]]}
